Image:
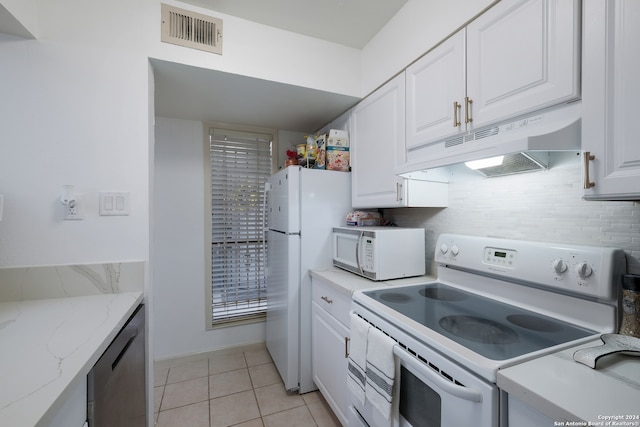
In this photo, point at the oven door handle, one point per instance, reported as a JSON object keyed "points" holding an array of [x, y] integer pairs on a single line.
{"points": [[451, 388]]}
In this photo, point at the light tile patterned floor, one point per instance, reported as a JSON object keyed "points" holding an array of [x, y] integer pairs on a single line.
{"points": [[239, 387]]}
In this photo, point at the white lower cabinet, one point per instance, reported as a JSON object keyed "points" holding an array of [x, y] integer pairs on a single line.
{"points": [[73, 411], [522, 415], [329, 337]]}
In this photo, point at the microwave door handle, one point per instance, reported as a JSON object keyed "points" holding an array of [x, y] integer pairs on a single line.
{"points": [[462, 392], [360, 236]]}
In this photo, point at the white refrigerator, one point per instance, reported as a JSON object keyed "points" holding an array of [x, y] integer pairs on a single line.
{"points": [[303, 207]]}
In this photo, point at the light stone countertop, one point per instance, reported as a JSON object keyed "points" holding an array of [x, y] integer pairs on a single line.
{"points": [[565, 390], [48, 345], [348, 283]]}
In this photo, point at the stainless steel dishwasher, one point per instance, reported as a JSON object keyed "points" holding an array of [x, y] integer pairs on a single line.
{"points": [[116, 386]]}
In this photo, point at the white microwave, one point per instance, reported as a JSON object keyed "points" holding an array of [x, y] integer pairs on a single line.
{"points": [[380, 253]]}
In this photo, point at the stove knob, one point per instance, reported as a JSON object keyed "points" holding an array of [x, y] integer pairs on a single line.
{"points": [[560, 265], [584, 270], [455, 250], [444, 248]]}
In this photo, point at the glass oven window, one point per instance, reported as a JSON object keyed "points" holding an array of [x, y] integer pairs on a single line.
{"points": [[419, 404]]}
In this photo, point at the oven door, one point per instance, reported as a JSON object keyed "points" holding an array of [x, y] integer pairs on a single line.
{"points": [[432, 394]]}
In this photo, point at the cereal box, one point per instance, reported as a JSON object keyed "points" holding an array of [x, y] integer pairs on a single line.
{"points": [[338, 150]]}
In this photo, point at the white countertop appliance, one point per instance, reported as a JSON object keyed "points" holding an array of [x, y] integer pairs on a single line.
{"points": [[303, 205], [496, 303], [379, 253]]}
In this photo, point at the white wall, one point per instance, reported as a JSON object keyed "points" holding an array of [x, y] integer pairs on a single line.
{"points": [[415, 29], [264, 52], [76, 108], [541, 206], [79, 111], [179, 242], [71, 115]]}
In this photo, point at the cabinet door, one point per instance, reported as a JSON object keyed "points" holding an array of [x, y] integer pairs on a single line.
{"points": [[377, 147], [522, 56], [343, 122], [435, 93], [330, 361], [611, 93]]}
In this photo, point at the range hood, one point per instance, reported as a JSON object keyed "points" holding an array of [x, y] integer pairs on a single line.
{"points": [[522, 144]]}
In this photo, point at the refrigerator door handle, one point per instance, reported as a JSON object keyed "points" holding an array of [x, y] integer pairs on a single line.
{"points": [[267, 188]]}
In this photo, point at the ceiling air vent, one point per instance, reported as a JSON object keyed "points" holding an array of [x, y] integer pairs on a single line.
{"points": [[191, 29]]}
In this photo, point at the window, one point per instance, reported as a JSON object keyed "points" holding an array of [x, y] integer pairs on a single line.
{"points": [[240, 163]]}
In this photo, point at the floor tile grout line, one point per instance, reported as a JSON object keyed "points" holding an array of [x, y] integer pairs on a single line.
{"points": [[253, 389], [306, 405]]}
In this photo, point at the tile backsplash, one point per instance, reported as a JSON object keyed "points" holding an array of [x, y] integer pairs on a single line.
{"points": [[25, 283], [540, 206]]}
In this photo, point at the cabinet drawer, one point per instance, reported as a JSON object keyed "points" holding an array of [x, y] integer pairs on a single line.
{"points": [[331, 300]]}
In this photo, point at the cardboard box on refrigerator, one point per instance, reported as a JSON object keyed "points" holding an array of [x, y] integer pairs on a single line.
{"points": [[338, 150]]}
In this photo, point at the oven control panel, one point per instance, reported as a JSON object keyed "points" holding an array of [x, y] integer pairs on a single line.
{"points": [[500, 257], [587, 270]]}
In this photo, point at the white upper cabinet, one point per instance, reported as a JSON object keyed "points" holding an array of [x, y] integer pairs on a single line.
{"points": [[522, 56], [377, 135], [611, 89], [373, 149], [343, 122], [377, 148], [435, 90], [518, 57]]}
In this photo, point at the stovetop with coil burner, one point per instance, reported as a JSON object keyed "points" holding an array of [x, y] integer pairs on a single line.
{"points": [[491, 328]]}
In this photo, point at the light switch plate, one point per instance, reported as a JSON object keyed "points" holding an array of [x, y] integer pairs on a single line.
{"points": [[112, 204], [1, 205]]}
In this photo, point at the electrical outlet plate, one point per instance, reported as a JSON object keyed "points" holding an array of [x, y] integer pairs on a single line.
{"points": [[114, 204], [73, 210]]}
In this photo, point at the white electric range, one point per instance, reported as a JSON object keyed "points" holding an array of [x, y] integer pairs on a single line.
{"points": [[496, 303]]}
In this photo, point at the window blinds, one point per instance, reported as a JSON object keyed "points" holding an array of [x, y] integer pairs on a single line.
{"points": [[240, 166]]}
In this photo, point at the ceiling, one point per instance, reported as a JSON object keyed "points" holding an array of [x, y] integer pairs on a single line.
{"points": [[349, 22], [192, 93], [10, 25], [206, 95]]}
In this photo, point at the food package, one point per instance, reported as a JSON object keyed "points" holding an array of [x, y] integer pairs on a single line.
{"points": [[338, 150], [307, 152], [364, 219], [321, 151]]}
